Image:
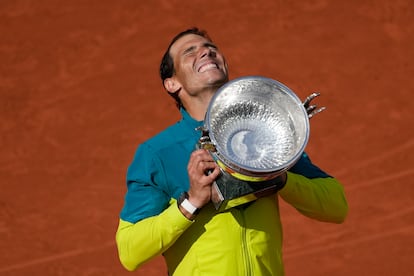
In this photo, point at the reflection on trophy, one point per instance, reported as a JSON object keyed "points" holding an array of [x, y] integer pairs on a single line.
{"points": [[255, 128]]}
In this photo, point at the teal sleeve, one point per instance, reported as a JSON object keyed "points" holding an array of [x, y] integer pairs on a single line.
{"points": [[305, 167], [147, 192]]}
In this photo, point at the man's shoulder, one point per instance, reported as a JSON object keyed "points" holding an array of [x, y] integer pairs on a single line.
{"points": [[172, 134]]}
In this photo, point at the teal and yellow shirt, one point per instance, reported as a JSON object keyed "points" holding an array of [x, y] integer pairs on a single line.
{"points": [[238, 241]]}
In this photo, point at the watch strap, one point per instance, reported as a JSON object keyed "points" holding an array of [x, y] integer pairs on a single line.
{"points": [[186, 204]]}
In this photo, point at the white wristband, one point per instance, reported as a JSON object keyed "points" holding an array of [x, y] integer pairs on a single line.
{"points": [[186, 204]]}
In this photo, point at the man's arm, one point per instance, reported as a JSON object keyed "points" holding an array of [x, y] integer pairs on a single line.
{"points": [[150, 221], [318, 198], [314, 193], [150, 237]]}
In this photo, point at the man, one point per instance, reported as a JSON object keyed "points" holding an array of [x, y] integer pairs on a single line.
{"points": [[194, 238]]}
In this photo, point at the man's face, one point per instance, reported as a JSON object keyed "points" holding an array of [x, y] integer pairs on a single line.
{"points": [[198, 64]]}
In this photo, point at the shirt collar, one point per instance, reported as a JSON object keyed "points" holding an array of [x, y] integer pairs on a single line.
{"points": [[190, 121]]}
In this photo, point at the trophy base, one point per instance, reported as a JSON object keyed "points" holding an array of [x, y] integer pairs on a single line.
{"points": [[229, 192]]}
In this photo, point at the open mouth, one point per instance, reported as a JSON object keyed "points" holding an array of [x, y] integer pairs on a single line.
{"points": [[207, 66]]}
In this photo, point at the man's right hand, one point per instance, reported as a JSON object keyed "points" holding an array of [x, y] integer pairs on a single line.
{"points": [[202, 171]]}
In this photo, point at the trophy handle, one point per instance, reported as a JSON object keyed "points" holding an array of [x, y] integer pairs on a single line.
{"points": [[205, 142], [312, 110]]}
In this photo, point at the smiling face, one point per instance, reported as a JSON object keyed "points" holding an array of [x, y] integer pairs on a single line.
{"points": [[199, 66]]}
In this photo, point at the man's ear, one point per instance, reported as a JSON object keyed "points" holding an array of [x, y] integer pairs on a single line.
{"points": [[172, 85]]}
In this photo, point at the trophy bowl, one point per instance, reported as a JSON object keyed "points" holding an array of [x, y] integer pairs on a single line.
{"points": [[258, 126]]}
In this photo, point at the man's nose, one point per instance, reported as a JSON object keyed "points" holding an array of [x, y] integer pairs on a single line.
{"points": [[206, 51]]}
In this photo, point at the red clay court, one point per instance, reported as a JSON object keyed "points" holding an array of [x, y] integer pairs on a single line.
{"points": [[79, 90]]}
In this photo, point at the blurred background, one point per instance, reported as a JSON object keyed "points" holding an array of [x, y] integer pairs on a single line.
{"points": [[79, 90]]}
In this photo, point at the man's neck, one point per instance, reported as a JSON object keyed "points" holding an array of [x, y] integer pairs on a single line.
{"points": [[198, 106], [197, 110]]}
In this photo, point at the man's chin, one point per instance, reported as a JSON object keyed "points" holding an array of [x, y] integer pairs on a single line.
{"points": [[218, 82]]}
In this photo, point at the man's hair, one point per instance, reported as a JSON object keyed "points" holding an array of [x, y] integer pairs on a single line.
{"points": [[167, 63]]}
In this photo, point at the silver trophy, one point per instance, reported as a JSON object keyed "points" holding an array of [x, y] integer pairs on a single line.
{"points": [[255, 128]]}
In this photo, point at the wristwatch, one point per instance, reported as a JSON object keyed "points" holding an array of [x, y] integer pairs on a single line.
{"points": [[186, 204]]}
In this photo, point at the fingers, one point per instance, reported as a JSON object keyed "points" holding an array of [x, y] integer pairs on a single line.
{"points": [[202, 171], [201, 162]]}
